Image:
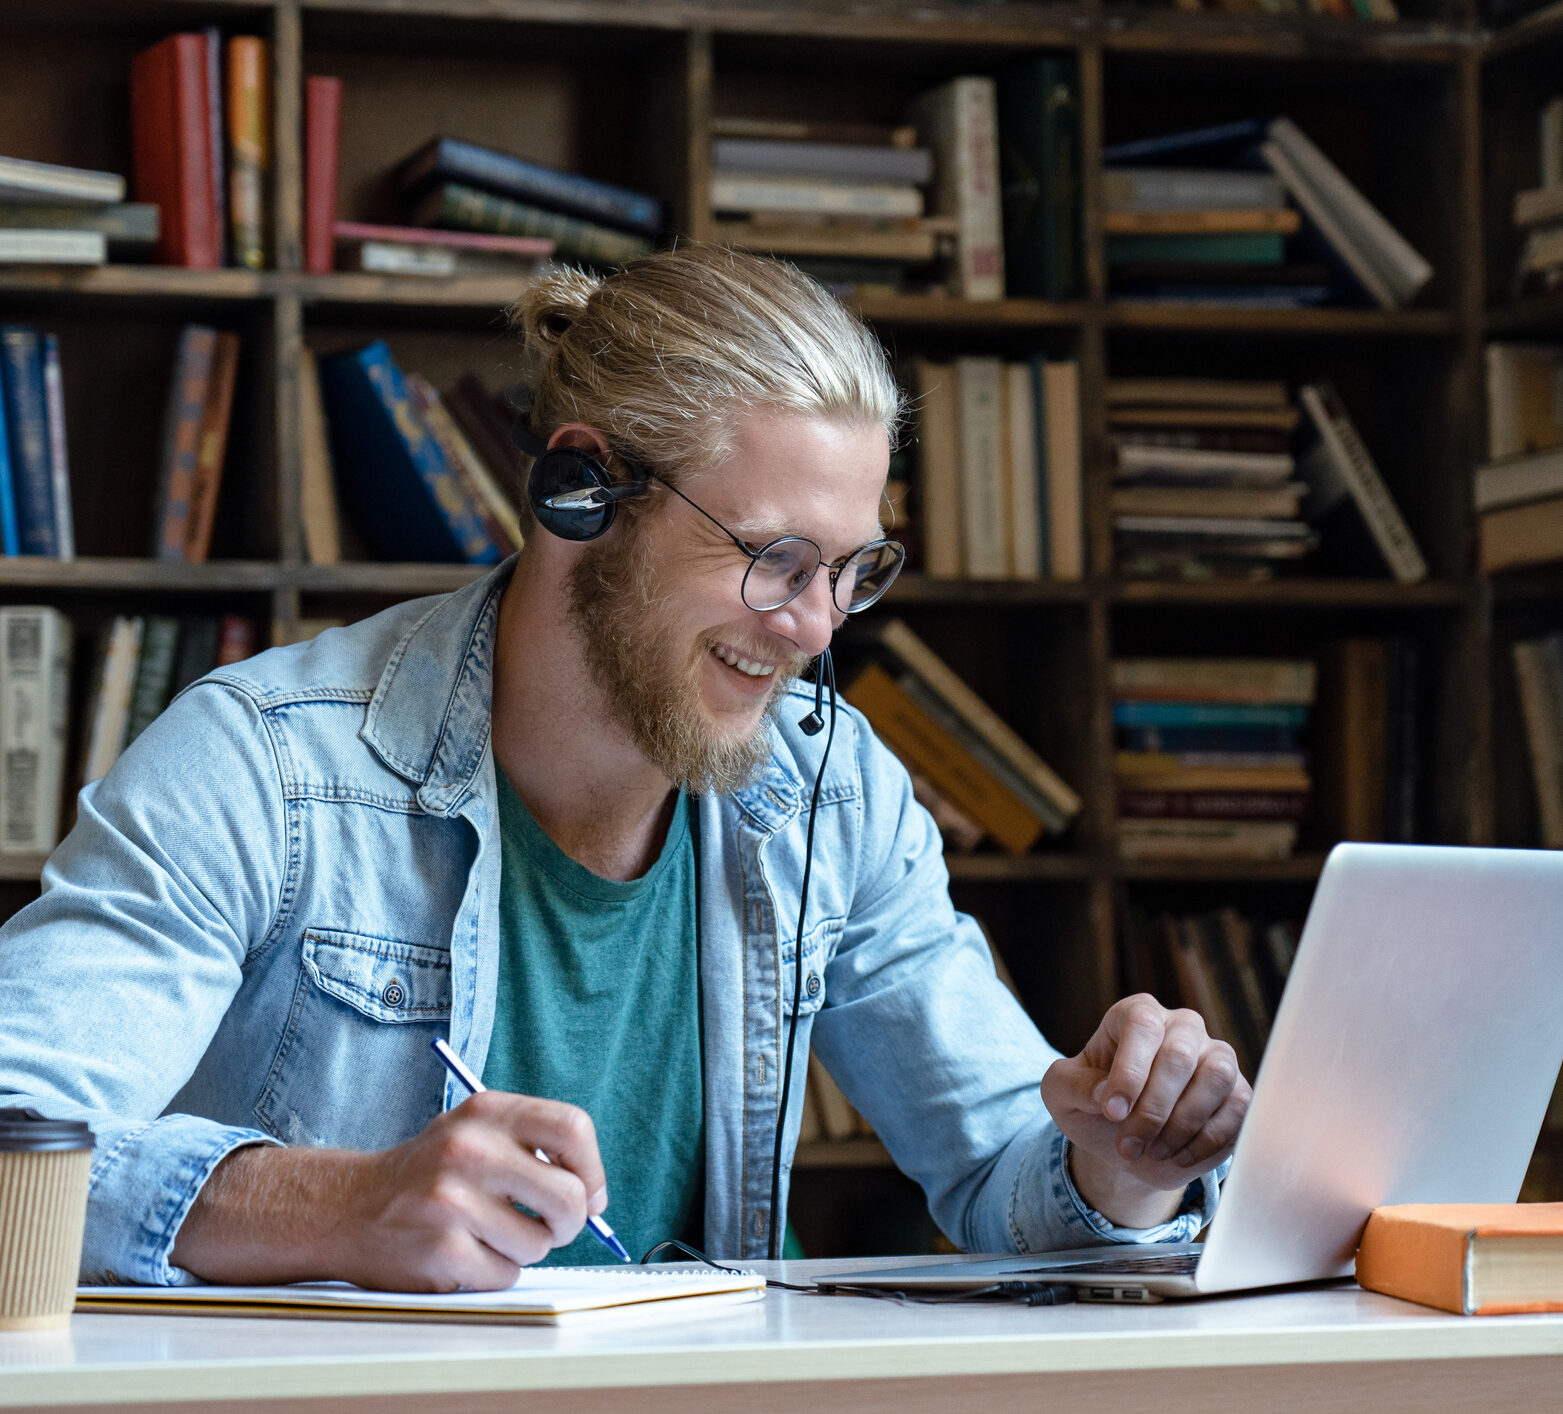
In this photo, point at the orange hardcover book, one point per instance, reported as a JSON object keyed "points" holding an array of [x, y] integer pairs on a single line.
{"points": [[249, 147], [926, 747], [1475, 1259], [211, 448]]}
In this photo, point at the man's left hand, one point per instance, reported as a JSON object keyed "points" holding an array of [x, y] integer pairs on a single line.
{"points": [[1150, 1104]]}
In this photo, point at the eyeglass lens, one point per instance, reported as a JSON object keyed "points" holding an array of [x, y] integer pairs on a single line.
{"points": [[783, 569]]}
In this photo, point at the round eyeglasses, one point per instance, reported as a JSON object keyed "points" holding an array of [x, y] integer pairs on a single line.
{"points": [[782, 569]]}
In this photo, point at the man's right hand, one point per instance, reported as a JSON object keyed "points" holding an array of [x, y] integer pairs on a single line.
{"points": [[433, 1214]]}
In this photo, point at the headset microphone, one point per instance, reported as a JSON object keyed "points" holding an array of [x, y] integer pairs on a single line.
{"points": [[814, 723]]}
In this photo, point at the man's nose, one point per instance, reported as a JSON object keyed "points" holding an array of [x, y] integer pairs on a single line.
{"points": [[814, 615]]}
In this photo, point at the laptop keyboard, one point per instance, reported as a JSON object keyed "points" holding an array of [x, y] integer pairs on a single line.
{"points": [[1159, 1264]]}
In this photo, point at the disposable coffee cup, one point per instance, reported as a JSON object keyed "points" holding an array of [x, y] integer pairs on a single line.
{"points": [[44, 1167]]}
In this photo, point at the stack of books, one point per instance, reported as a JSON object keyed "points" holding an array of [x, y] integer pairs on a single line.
{"points": [[200, 127], [35, 482], [1209, 762], [971, 762], [1519, 491], [1538, 212], [1538, 667], [142, 663], [458, 185], [999, 451], [1205, 484], [1202, 217], [52, 215], [1227, 965], [842, 201], [421, 477], [195, 443]]}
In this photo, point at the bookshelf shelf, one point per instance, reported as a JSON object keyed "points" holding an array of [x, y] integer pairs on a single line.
{"points": [[1026, 868], [842, 1154], [1403, 323], [140, 282], [156, 576], [1281, 36], [401, 580], [1536, 314], [1301, 593], [992, 593], [931, 312], [1541, 27]]}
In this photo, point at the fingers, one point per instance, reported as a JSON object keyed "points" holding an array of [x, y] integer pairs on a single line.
{"points": [[1214, 1139], [1138, 1028]]}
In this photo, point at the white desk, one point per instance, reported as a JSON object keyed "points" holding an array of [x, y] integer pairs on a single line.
{"points": [[1318, 1350]]}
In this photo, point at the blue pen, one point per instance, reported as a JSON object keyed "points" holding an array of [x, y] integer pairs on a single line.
{"points": [[457, 1067]]}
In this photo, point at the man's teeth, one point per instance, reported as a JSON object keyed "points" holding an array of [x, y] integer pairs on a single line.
{"points": [[755, 670]]}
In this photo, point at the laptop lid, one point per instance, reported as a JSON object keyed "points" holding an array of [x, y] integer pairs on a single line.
{"points": [[1411, 1060]]}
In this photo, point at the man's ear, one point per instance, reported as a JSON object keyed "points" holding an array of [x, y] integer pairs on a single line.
{"points": [[581, 435]]}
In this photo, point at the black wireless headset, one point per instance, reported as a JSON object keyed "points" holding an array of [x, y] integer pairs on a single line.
{"points": [[574, 496], [571, 492]]}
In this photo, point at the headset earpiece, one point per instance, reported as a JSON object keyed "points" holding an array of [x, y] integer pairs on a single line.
{"points": [[571, 492]]}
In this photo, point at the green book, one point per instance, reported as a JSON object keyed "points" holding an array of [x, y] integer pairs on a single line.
{"points": [[1257, 248], [131, 225], [1039, 175], [154, 673], [468, 209]]}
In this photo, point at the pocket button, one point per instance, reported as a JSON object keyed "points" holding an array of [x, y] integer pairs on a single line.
{"points": [[393, 995], [812, 985]]}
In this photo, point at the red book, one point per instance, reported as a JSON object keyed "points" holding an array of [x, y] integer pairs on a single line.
{"points": [[238, 638], [171, 151], [322, 127]]}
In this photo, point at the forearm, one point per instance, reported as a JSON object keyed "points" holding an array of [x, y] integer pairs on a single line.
{"points": [[270, 1215], [1124, 1201]]}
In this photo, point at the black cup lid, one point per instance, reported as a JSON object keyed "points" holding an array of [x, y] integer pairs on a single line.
{"points": [[28, 1132]]}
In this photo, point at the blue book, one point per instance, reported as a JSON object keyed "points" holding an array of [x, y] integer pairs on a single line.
{"points": [[1208, 714], [10, 541], [1196, 144], [449, 159], [406, 501], [27, 418], [1178, 739]]}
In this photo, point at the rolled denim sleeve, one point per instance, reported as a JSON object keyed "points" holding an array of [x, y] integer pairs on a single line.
{"points": [[113, 982], [938, 1056]]}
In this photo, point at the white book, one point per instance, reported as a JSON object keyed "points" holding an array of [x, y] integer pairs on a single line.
{"points": [[984, 526], [1512, 483], [939, 468], [59, 458], [1270, 466], [1330, 226], [436, 261], [739, 192], [1341, 465], [1065, 482], [30, 247], [318, 504], [959, 120], [1189, 189], [1024, 474], [110, 710], [35, 670], [21, 180], [1396, 258]]}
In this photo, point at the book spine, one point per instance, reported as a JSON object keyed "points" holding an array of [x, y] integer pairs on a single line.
{"points": [[10, 536], [1259, 680], [182, 439], [734, 192], [981, 238], [110, 712], [1065, 491], [1416, 1261], [27, 412], [474, 409], [1542, 715], [35, 648], [318, 502], [154, 673], [1377, 506], [59, 457], [238, 638], [1025, 519], [128, 223], [441, 480], [249, 148], [211, 448], [920, 742], [1041, 437], [1243, 248], [211, 38], [531, 183], [469, 209], [848, 161], [462, 460], [1188, 189], [1207, 714], [197, 654], [322, 133], [171, 149], [984, 527], [1220, 221], [938, 467], [1141, 804]]}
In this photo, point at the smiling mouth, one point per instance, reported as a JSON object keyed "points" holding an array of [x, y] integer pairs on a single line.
{"points": [[747, 666]]}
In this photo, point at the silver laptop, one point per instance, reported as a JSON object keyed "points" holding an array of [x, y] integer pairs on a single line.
{"points": [[1411, 1061]]}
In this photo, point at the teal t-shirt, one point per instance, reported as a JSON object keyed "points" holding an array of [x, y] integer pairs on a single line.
{"points": [[598, 1005]]}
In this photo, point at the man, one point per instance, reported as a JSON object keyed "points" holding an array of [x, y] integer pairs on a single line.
{"points": [[561, 818]]}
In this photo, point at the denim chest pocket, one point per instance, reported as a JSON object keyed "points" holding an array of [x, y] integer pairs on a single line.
{"points": [[818, 945], [353, 1069]]}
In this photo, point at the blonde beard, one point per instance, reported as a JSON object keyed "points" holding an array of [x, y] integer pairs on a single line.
{"points": [[620, 615]]}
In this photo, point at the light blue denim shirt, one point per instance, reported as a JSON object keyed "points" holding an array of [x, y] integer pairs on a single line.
{"points": [[289, 885]]}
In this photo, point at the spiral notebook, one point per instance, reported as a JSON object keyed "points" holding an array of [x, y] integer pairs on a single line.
{"points": [[540, 1296]]}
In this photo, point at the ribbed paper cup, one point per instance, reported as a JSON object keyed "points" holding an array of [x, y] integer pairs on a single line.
{"points": [[44, 1167]]}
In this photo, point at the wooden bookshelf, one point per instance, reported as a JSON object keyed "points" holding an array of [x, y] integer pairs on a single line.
{"points": [[1417, 113]]}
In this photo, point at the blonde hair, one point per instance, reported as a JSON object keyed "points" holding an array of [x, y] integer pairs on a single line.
{"points": [[660, 355]]}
